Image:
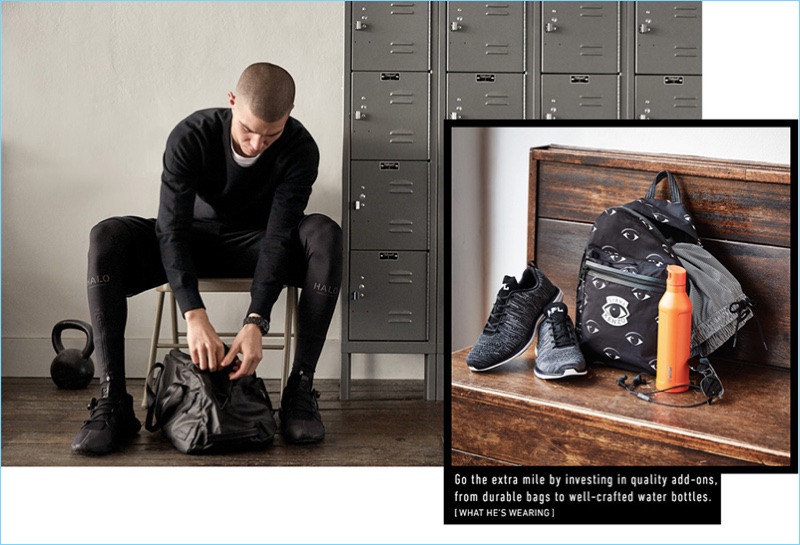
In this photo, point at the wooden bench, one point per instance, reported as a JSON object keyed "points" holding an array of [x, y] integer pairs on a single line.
{"points": [[743, 215]]}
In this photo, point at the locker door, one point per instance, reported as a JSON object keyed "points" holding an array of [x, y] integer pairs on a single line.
{"points": [[580, 37], [390, 115], [388, 296], [391, 36], [669, 97], [485, 36], [580, 96], [669, 38], [389, 205], [485, 96]]}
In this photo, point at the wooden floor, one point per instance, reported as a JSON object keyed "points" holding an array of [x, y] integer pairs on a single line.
{"points": [[386, 423]]}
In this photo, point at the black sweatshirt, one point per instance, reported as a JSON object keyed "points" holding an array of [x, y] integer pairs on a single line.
{"points": [[201, 181]]}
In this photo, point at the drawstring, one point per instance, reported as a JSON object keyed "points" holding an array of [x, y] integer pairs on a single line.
{"points": [[742, 309]]}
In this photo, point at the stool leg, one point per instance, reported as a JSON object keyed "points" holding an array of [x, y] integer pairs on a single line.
{"points": [[154, 342], [174, 311]]}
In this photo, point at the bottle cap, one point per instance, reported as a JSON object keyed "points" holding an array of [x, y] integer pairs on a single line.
{"points": [[676, 275]]}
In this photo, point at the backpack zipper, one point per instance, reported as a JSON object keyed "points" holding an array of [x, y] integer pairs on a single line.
{"points": [[632, 280]]}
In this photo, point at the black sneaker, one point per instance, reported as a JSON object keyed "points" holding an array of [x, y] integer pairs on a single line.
{"points": [[515, 316], [111, 422], [557, 352], [300, 419]]}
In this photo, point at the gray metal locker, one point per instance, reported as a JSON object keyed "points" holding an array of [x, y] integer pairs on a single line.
{"points": [[485, 36], [388, 296], [580, 96], [580, 37], [390, 115], [391, 36], [389, 205], [669, 97], [485, 96], [669, 38]]}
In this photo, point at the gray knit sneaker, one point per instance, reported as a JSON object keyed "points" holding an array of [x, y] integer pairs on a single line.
{"points": [[557, 351], [515, 317]]}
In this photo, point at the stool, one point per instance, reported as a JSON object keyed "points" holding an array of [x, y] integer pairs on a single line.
{"points": [[223, 285]]}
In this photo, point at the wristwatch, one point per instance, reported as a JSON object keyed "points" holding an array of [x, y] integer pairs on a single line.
{"points": [[262, 323]]}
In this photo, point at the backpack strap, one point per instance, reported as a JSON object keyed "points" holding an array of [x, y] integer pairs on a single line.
{"points": [[675, 192]]}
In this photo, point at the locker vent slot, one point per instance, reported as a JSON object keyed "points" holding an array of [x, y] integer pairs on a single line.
{"points": [[400, 317], [390, 76], [673, 80], [485, 78], [389, 255], [406, 186], [389, 165], [405, 8], [685, 51], [401, 48], [579, 79]]}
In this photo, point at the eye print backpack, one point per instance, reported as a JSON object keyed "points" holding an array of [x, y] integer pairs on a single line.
{"points": [[623, 276]]}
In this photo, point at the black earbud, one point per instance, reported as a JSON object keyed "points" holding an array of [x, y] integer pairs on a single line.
{"points": [[621, 381]]}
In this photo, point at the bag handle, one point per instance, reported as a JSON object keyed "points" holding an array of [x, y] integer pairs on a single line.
{"points": [[154, 396], [675, 192]]}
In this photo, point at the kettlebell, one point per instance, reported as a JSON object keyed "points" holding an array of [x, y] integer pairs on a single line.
{"points": [[72, 369]]}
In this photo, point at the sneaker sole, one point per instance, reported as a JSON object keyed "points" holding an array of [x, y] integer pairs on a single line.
{"points": [[559, 296], [566, 373]]}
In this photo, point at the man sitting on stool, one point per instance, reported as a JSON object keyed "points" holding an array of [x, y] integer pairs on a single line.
{"points": [[234, 188]]}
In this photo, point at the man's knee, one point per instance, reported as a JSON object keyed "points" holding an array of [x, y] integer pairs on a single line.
{"points": [[108, 234], [323, 233]]}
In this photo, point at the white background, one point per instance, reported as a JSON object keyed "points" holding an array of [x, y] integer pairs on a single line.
{"points": [[750, 71]]}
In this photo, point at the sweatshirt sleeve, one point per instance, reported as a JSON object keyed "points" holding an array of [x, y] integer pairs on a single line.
{"points": [[288, 206], [174, 223]]}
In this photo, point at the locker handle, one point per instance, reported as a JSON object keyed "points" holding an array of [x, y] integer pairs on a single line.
{"points": [[361, 25], [357, 205], [550, 27], [455, 27], [549, 116], [644, 29], [360, 115], [454, 115]]}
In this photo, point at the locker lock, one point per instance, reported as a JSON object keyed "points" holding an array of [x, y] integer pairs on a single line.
{"points": [[360, 115], [550, 27], [644, 29], [455, 27], [361, 25], [549, 116], [454, 115]]}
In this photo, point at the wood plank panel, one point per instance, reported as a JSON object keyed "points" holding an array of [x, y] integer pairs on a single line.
{"points": [[756, 212]]}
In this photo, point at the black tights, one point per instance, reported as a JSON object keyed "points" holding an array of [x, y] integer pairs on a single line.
{"points": [[124, 260]]}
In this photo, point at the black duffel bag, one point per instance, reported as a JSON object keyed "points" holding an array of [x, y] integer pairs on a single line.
{"points": [[204, 411]]}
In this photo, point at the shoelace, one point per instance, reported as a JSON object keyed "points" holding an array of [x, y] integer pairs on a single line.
{"points": [[563, 334], [742, 309], [100, 410], [304, 401], [498, 309]]}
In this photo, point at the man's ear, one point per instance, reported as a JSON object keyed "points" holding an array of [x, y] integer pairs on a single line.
{"points": [[231, 98]]}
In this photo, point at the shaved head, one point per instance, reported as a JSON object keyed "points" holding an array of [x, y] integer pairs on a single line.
{"points": [[267, 89]]}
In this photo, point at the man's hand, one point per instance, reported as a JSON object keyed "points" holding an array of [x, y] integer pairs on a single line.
{"points": [[205, 346], [248, 344]]}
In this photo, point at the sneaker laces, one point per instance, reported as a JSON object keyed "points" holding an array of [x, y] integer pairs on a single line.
{"points": [[563, 334], [304, 401], [499, 307], [101, 411]]}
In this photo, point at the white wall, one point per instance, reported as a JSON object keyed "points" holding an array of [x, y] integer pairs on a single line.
{"points": [[90, 92]]}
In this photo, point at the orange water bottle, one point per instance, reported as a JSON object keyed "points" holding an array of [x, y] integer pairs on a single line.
{"points": [[674, 333]]}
